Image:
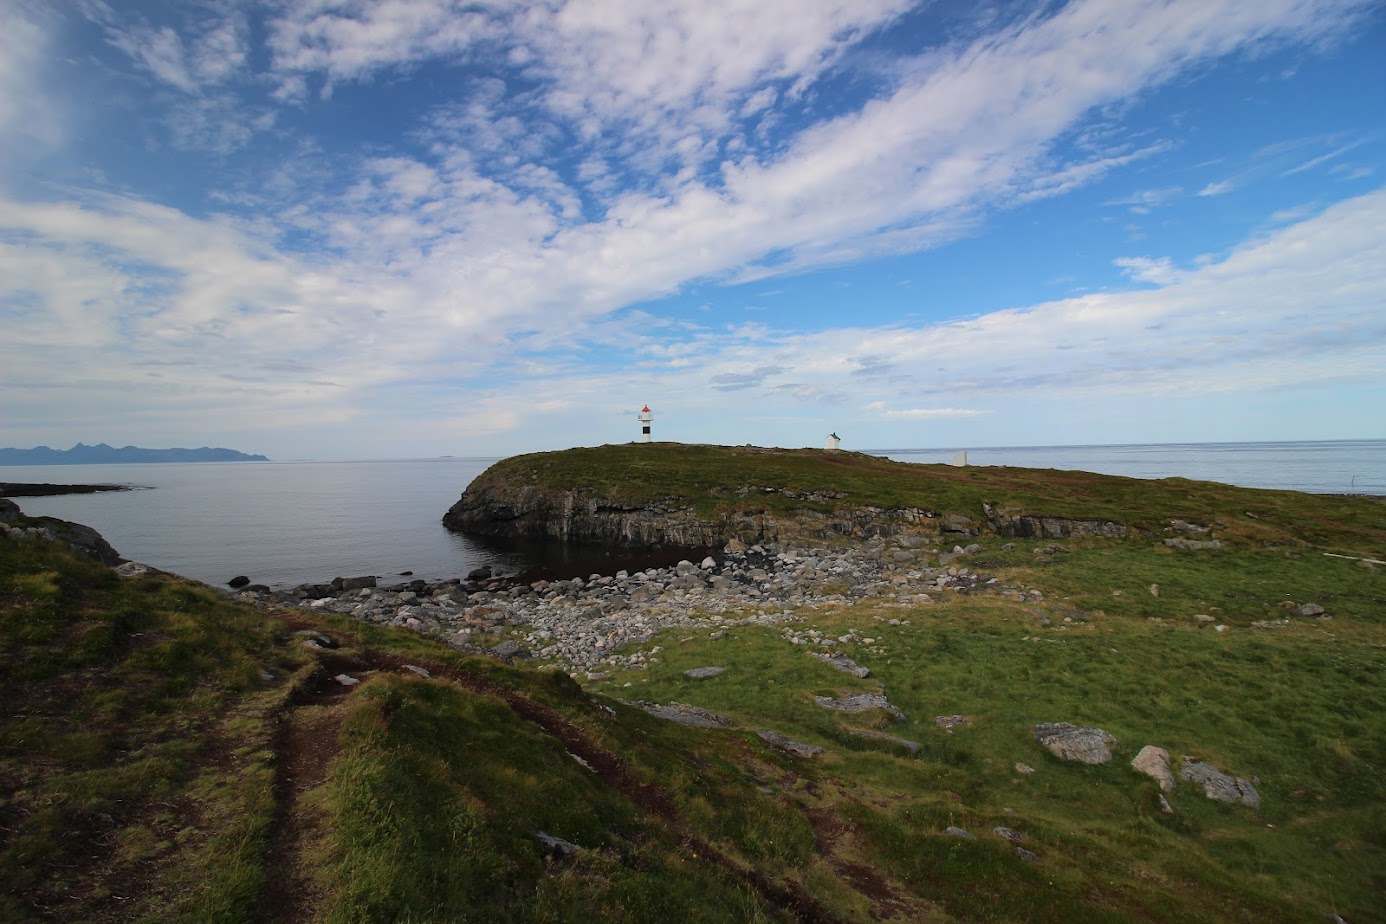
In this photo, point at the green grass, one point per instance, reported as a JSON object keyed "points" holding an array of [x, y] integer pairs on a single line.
{"points": [[1299, 708]]}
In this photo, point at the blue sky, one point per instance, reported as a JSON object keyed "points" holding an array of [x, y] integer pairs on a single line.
{"points": [[345, 229]]}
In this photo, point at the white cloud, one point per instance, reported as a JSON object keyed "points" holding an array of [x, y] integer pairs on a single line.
{"points": [[25, 115], [1220, 188], [926, 413], [1160, 272]]}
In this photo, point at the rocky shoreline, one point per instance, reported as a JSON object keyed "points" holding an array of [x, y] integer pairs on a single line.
{"points": [[583, 623], [23, 489]]}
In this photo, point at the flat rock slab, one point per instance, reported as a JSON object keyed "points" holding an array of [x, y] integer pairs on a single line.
{"points": [[858, 702], [1224, 787], [702, 673], [687, 715], [907, 744], [787, 745], [843, 663], [1075, 742], [1193, 544], [955, 831], [950, 722]]}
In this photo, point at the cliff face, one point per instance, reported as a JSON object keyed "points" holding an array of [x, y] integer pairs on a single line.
{"points": [[526, 511]]}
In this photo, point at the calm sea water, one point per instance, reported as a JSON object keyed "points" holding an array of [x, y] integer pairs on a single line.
{"points": [[285, 523]]}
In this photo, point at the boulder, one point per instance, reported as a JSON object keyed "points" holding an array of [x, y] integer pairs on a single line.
{"points": [[787, 745], [843, 663], [238, 581], [858, 702], [1224, 787], [702, 673], [1154, 763], [1073, 742]]}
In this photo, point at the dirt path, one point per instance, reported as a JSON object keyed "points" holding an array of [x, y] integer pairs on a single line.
{"points": [[307, 741]]}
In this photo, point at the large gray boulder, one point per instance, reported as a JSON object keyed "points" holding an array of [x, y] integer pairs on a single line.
{"points": [[1074, 742]]}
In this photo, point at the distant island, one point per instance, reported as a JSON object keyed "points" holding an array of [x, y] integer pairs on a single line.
{"points": [[103, 454]]}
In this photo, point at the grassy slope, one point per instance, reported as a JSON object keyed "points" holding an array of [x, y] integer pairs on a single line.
{"points": [[149, 770]]}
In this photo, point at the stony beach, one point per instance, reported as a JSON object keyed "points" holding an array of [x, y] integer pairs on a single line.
{"points": [[584, 624]]}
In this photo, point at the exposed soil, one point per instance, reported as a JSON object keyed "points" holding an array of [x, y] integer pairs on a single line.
{"points": [[831, 838]]}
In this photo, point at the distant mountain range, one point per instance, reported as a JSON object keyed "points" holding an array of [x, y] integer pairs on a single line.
{"points": [[102, 454]]}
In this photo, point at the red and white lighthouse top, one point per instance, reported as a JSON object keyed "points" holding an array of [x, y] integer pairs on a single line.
{"points": [[645, 409]]}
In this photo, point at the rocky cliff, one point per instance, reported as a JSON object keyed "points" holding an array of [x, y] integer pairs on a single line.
{"points": [[533, 512]]}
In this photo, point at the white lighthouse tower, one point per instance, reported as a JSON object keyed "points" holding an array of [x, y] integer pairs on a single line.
{"points": [[645, 419]]}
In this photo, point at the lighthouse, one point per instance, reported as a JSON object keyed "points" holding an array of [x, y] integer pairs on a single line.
{"points": [[644, 419]]}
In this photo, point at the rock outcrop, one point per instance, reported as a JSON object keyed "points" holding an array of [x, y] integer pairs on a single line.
{"points": [[81, 539], [1027, 526], [532, 512]]}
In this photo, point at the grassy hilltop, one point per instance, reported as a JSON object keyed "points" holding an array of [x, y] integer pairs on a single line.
{"points": [[168, 754], [715, 482]]}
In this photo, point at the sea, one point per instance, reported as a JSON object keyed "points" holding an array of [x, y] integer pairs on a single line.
{"points": [[288, 523]]}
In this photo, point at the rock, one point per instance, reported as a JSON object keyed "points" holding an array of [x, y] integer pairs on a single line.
{"points": [[555, 847], [708, 563], [1193, 544], [1009, 834], [843, 663], [346, 680], [479, 574], [318, 639], [509, 649], [1165, 807], [1203, 618], [1154, 590], [359, 583], [858, 702], [907, 744], [788, 745], [1219, 785], [133, 569], [1307, 609], [950, 722], [422, 672], [1021, 526], [238, 581], [1029, 856], [702, 673], [687, 715], [1154, 763], [1073, 742], [1024, 769], [955, 831]]}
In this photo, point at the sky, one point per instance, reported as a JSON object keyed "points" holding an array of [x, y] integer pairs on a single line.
{"points": [[339, 229]]}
